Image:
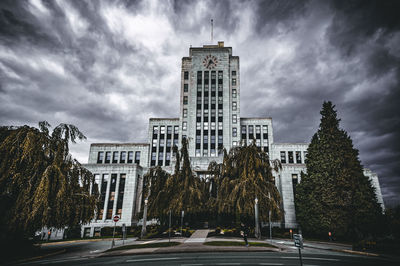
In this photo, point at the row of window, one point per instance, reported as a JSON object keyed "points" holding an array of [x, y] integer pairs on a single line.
{"points": [[118, 157], [103, 182], [251, 129], [164, 143], [292, 157]]}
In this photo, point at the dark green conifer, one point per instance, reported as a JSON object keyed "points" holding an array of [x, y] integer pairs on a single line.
{"points": [[335, 196]]}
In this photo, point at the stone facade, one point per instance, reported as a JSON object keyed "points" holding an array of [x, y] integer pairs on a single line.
{"points": [[210, 120]]}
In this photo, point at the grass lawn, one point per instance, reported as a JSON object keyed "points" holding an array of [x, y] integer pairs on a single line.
{"points": [[150, 245], [237, 243]]}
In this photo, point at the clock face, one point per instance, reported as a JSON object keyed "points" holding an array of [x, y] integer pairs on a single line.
{"points": [[210, 61]]}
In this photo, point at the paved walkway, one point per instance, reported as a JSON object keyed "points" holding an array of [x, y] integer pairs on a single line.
{"points": [[199, 236]]}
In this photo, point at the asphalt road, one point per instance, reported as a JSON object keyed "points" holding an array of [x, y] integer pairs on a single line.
{"points": [[238, 258]]}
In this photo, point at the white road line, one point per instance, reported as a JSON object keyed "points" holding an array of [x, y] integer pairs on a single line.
{"points": [[228, 263], [63, 260], [191, 264], [310, 258], [271, 263], [154, 259]]}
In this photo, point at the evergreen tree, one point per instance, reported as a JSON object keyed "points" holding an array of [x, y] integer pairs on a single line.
{"points": [[335, 196], [41, 185]]}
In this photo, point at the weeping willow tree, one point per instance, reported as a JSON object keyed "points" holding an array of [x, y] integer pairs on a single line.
{"points": [[246, 174], [41, 185], [185, 189], [180, 191], [154, 189]]}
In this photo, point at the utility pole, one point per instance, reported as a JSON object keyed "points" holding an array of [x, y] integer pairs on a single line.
{"points": [[269, 216]]}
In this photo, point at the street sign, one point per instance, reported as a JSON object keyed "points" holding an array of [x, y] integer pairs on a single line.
{"points": [[298, 240], [116, 218]]}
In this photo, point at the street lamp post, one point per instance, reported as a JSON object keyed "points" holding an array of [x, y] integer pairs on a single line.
{"points": [[257, 230], [144, 219], [269, 217]]}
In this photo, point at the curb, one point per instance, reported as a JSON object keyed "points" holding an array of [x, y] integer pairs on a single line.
{"points": [[198, 250], [357, 252], [78, 241]]}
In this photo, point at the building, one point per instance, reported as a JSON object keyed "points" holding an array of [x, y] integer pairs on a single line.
{"points": [[210, 119]]}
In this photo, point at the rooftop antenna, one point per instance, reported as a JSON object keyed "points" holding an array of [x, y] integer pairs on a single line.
{"points": [[212, 34]]}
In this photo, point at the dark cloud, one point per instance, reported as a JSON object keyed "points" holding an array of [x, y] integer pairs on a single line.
{"points": [[108, 66]]}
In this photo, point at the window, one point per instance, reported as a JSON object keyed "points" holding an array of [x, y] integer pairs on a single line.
{"points": [[205, 141], [123, 157], [258, 142], [283, 157], [176, 129], [198, 125], [295, 181], [234, 132], [160, 156], [186, 75], [162, 129], [155, 142], [265, 131], [115, 157], [169, 142], [111, 196], [100, 157], [205, 126], [298, 156], [234, 106], [233, 73], [198, 152], [258, 129], [213, 75], [185, 100], [155, 130], [220, 125], [265, 142], [220, 112], [153, 158], [234, 119], [220, 139], [220, 74], [305, 156], [234, 143], [185, 87], [121, 191], [184, 125], [212, 139], [198, 139], [290, 155], [108, 157], [212, 125], [169, 130], [234, 93], [205, 153], [233, 82], [137, 157], [184, 113], [130, 156], [213, 152]]}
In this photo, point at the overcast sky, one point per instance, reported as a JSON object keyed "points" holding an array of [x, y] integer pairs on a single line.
{"points": [[108, 66]]}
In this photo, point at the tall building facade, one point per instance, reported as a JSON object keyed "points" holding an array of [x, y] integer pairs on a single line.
{"points": [[210, 120]]}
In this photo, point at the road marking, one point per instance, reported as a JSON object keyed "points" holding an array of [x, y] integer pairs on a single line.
{"points": [[95, 251], [64, 260], [191, 264], [228, 263], [154, 259], [310, 258], [266, 263]]}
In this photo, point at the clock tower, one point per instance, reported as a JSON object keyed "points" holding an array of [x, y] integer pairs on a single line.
{"points": [[210, 105]]}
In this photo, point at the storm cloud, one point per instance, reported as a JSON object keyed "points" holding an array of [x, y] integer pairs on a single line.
{"points": [[108, 66]]}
